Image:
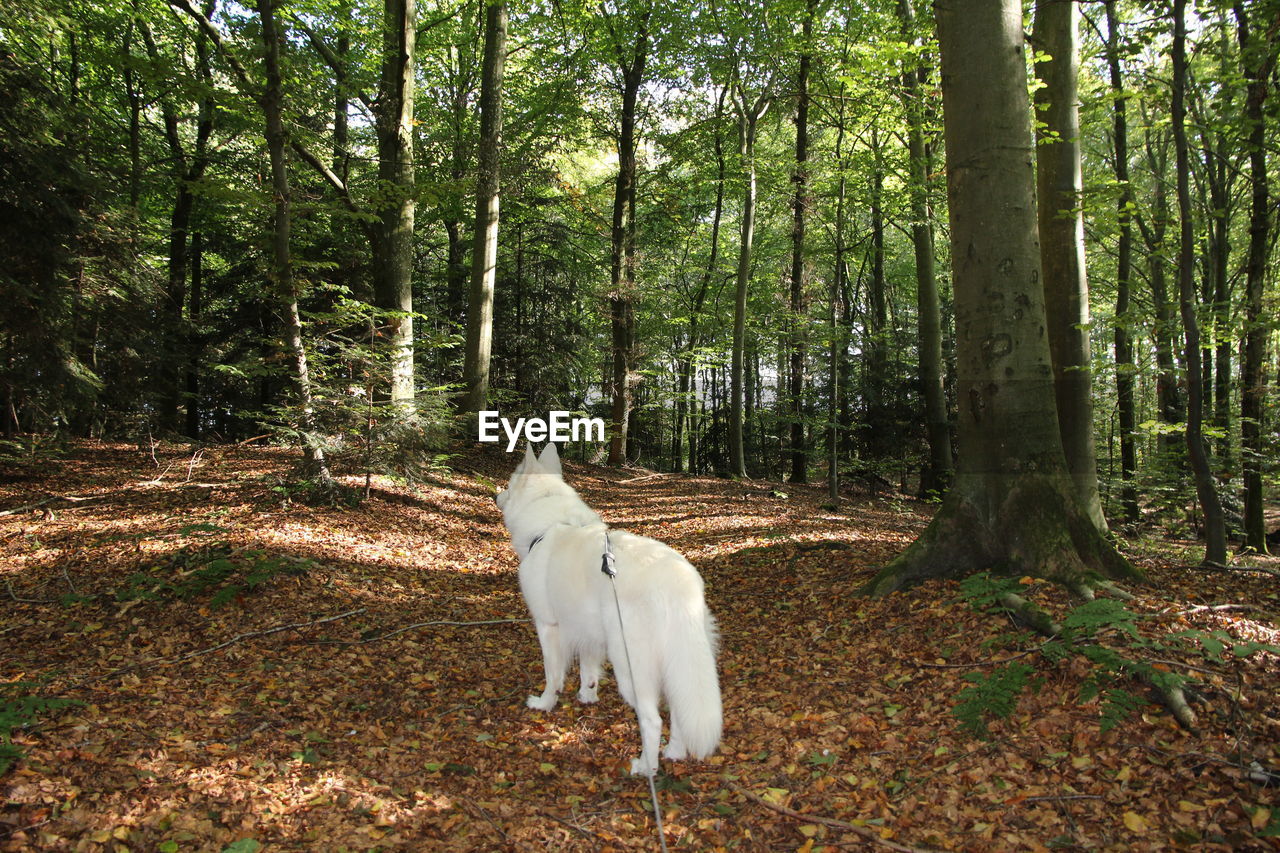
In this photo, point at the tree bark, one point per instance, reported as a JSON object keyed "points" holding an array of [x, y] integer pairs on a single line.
{"points": [[932, 372], [878, 440], [800, 206], [1125, 366], [800, 177], [484, 255], [1014, 504], [748, 115], [1061, 221], [272, 102], [1258, 58], [1206, 492], [393, 234], [622, 243], [684, 408]]}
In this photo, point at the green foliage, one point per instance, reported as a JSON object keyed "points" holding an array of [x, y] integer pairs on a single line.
{"points": [[220, 572], [984, 590], [21, 708], [994, 694], [1125, 657]]}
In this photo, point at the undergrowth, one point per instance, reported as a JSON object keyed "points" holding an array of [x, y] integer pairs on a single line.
{"points": [[1103, 632]]}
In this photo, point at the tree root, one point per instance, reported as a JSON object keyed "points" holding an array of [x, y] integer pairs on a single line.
{"points": [[1025, 613]]}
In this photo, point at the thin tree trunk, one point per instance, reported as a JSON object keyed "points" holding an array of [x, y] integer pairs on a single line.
{"points": [[1215, 531], [1169, 403], [272, 100], [877, 435], [393, 243], [1258, 58], [622, 247], [1061, 221], [1125, 367], [484, 255], [800, 177], [194, 338], [938, 472], [748, 115]]}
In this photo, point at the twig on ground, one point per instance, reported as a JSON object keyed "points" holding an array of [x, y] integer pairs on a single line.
{"points": [[1219, 567], [18, 510], [191, 463], [863, 831], [404, 628], [237, 638], [643, 478], [1048, 798], [1217, 608], [9, 586], [18, 829]]}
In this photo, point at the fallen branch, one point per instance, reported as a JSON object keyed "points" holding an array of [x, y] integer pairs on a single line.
{"points": [[863, 831], [9, 586], [1220, 567], [404, 628], [18, 510], [248, 635], [643, 478]]}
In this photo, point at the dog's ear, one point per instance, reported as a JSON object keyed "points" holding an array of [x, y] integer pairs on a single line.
{"points": [[530, 460], [550, 459]]}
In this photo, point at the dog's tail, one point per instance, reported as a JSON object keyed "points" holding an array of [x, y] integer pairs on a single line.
{"points": [[692, 687]]}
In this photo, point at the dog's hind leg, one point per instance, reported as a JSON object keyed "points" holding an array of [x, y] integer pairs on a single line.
{"points": [[554, 663], [590, 662], [650, 734]]}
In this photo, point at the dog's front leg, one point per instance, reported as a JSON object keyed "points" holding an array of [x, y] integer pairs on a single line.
{"points": [[553, 664]]}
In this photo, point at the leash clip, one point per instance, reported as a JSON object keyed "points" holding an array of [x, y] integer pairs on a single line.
{"points": [[606, 559]]}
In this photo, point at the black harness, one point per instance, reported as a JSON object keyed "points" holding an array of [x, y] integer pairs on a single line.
{"points": [[606, 560]]}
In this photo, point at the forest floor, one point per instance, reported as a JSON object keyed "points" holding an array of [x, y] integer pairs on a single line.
{"points": [[250, 672]]}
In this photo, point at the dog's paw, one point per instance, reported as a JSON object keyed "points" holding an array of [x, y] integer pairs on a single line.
{"points": [[640, 768], [541, 703], [675, 751], [587, 696]]}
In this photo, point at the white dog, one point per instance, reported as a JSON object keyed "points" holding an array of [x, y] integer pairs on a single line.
{"points": [[665, 646]]}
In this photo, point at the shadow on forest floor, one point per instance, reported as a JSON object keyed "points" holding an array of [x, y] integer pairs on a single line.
{"points": [[252, 668]]}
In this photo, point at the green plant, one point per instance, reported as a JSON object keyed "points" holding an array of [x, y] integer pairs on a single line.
{"points": [[218, 571], [20, 708], [1127, 655]]}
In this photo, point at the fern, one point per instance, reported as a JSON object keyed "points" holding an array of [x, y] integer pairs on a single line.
{"points": [[1094, 616], [20, 709], [983, 590], [992, 695], [1117, 706]]}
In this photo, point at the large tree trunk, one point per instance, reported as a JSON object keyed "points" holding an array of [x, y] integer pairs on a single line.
{"points": [[1066, 289], [272, 100], [1014, 504], [1125, 366], [484, 255], [800, 177], [393, 235], [1258, 57], [938, 473], [1215, 530], [622, 248]]}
